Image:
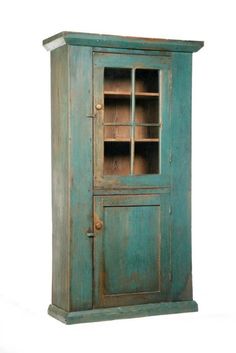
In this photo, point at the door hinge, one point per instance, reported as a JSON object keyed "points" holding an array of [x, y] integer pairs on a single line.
{"points": [[90, 234], [91, 116], [170, 209], [170, 276]]}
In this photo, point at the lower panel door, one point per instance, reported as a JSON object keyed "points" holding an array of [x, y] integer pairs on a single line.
{"points": [[131, 249]]}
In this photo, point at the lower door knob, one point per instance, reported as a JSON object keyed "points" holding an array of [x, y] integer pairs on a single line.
{"points": [[98, 225]]}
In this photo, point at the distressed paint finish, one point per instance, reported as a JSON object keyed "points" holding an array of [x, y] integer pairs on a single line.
{"points": [[111, 41], [131, 51], [125, 312], [71, 79], [134, 248], [181, 177], [81, 176], [108, 276], [132, 191], [131, 250], [60, 185]]}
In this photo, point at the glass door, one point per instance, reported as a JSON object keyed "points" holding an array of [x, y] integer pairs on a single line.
{"points": [[129, 119]]}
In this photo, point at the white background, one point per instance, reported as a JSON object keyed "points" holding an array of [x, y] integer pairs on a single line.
{"points": [[25, 227]]}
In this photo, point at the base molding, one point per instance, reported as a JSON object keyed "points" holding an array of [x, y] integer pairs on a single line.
{"points": [[124, 312]]}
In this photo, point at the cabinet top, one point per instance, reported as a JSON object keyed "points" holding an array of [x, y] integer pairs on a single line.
{"points": [[113, 41]]}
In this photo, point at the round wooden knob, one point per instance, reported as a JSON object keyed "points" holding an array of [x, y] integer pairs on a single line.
{"points": [[98, 225], [98, 106]]}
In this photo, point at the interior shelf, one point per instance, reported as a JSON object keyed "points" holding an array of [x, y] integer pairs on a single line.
{"points": [[128, 140], [147, 94], [110, 139], [147, 140]]}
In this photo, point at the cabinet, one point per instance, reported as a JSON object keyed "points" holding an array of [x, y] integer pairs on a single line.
{"points": [[121, 182]]}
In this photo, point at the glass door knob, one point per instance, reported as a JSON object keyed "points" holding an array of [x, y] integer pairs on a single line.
{"points": [[98, 106]]}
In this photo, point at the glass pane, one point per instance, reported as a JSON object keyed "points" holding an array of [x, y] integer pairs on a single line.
{"points": [[147, 110], [117, 80], [117, 110], [116, 158], [147, 80], [146, 132], [146, 160], [119, 133]]}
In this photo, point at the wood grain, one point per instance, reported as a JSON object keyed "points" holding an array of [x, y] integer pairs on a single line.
{"points": [[81, 177], [181, 178], [60, 179]]}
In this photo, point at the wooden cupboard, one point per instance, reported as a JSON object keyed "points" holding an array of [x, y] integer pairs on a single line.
{"points": [[121, 176]]}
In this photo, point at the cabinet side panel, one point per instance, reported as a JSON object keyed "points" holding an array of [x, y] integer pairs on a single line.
{"points": [[81, 142], [59, 111], [181, 288]]}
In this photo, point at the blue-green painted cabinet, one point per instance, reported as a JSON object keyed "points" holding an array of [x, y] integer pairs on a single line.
{"points": [[121, 177]]}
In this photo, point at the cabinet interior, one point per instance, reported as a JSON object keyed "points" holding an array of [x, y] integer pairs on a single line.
{"points": [[131, 121]]}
